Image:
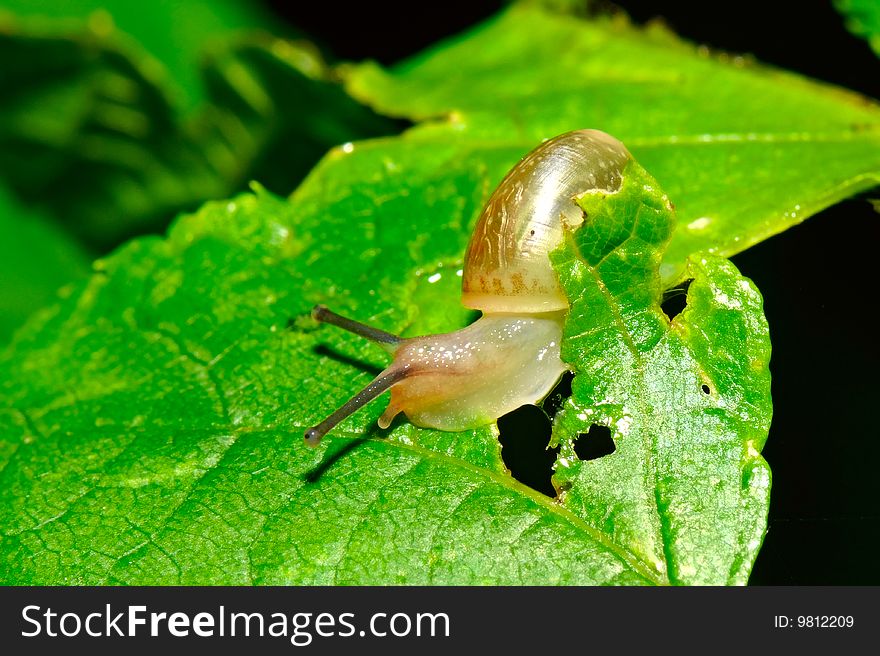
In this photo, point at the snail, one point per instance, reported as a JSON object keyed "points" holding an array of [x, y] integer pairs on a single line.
{"points": [[510, 356]]}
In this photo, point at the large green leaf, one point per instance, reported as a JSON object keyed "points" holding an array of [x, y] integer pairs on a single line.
{"points": [[745, 151], [36, 259], [154, 421]]}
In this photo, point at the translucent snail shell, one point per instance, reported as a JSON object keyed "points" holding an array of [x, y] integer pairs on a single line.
{"points": [[506, 264], [510, 356]]}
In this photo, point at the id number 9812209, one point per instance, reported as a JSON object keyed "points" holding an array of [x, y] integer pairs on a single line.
{"points": [[814, 622]]}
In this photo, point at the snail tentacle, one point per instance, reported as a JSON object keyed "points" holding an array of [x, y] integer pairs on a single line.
{"points": [[380, 384], [325, 315]]}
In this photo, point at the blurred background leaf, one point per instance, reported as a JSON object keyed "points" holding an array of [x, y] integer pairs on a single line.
{"points": [[88, 129], [173, 32], [88, 132], [36, 258], [862, 19]]}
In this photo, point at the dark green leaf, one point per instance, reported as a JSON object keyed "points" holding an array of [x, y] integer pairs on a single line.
{"points": [[863, 19], [174, 33], [36, 258], [88, 132], [275, 110]]}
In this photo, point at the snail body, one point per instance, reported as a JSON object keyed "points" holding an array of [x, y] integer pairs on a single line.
{"points": [[510, 356]]}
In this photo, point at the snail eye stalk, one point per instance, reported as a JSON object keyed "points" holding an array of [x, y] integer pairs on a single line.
{"points": [[381, 383], [324, 315], [377, 386]]}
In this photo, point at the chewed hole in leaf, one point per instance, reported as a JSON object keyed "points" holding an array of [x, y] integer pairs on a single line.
{"points": [[595, 443], [558, 395], [706, 389], [675, 299], [524, 434]]}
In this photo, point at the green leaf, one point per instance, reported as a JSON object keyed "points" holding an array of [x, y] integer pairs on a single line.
{"points": [[863, 19], [155, 420], [745, 151], [36, 259], [87, 129], [687, 401]]}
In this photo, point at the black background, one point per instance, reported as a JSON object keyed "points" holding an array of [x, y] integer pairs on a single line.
{"points": [[817, 278]]}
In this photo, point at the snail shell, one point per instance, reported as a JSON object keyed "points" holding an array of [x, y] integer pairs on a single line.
{"points": [[506, 265]]}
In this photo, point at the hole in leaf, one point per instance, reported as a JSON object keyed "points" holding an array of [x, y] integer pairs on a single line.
{"points": [[706, 389], [524, 434], [595, 443], [675, 299], [558, 395]]}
